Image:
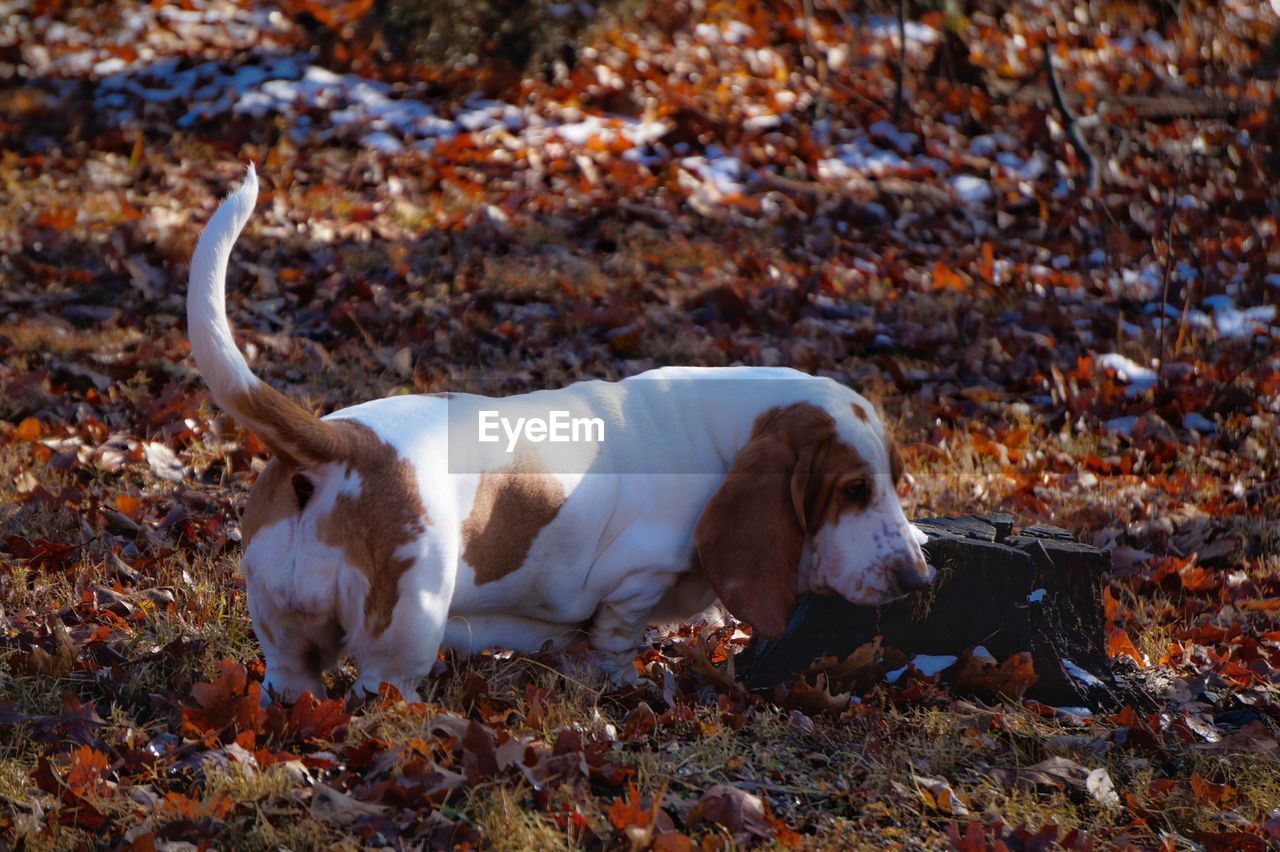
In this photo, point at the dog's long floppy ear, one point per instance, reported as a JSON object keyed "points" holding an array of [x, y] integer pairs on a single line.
{"points": [[752, 531], [896, 468]]}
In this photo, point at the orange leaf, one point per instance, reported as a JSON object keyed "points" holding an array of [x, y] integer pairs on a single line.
{"points": [[88, 766], [310, 719], [1110, 605], [130, 507], [1196, 578], [1012, 678], [231, 702], [626, 811], [1218, 794], [28, 430], [60, 219], [988, 263], [1119, 645], [945, 278]]}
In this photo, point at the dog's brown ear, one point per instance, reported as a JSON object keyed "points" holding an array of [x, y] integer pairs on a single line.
{"points": [[896, 467], [752, 531]]}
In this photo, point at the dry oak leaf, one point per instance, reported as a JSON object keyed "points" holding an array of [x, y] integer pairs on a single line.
{"points": [[742, 813], [337, 808], [231, 700], [62, 660], [310, 719], [937, 795], [1120, 645], [1223, 795], [979, 676]]}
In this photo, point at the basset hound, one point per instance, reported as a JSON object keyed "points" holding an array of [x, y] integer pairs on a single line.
{"points": [[393, 528]]}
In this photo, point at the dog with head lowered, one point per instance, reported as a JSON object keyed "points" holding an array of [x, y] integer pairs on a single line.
{"points": [[362, 538]]}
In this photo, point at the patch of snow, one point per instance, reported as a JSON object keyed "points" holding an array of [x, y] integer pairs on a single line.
{"points": [[1121, 425], [1037, 596], [930, 664], [1080, 674], [1232, 322], [721, 172], [734, 32], [980, 652], [893, 676], [862, 157], [383, 119], [1080, 712], [885, 27], [1016, 167], [763, 122], [988, 144], [384, 142], [904, 142], [971, 190], [1137, 377], [1197, 422]]}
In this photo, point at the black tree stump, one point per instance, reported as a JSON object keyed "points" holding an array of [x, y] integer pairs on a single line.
{"points": [[1034, 591]]}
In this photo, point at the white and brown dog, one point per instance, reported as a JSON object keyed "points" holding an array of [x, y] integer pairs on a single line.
{"points": [[369, 535]]}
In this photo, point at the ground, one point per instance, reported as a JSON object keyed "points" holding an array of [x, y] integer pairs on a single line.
{"points": [[1065, 307]]}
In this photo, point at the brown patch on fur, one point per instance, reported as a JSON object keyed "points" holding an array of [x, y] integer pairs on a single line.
{"points": [[291, 432], [372, 526], [368, 527], [860, 412], [511, 508], [784, 484], [270, 500]]}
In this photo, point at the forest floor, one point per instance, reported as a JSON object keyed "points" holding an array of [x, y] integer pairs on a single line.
{"points": [[1082, 336]]}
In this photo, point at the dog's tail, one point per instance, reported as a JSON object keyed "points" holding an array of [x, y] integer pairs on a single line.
{"points": [[287, 428]]}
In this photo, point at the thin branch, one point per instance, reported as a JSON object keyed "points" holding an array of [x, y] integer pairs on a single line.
{"points": [[1164, 299], [820, 64], [1069, 123], [900, 96]]}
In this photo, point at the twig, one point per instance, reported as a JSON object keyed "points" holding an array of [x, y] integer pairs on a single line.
{"points": [[900, 97], [1164, 299], [1222, 388], [1069, 123], [820, 64], [692, 651]]}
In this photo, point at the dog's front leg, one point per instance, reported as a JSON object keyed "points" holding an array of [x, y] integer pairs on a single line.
{"points": [[403, 653], [618, 626]]}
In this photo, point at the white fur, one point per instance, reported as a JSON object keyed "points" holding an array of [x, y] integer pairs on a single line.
{"points": [[618, 555], [220, 362]]}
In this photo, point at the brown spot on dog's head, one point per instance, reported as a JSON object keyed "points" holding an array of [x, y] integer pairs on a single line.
{"points": [[373, 526], [860, 412], [511, 508]]}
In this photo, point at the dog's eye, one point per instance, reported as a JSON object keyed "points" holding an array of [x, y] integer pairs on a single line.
{"points": [[303, 488], [858, 492]]}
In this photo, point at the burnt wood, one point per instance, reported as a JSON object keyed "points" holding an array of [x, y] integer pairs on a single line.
{"points": [[1036, 589]]}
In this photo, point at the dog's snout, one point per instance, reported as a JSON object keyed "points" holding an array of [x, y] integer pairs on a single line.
{"points": [[913, 573]]}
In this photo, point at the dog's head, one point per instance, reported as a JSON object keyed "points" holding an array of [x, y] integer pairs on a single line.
{"points": [[810, 503], [325, 545]]}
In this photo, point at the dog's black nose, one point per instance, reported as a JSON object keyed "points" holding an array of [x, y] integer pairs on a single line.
{"points": [[913, 574]]}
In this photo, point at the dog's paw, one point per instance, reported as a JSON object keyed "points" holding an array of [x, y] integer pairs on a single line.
{"points": [[619, 669]]}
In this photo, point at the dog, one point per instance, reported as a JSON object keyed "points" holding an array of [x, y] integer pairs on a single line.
{"points": [[386, 531]]}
